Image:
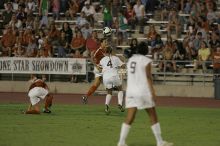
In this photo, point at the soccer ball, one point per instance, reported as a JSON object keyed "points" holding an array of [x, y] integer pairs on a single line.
{"points": [[107, 31]]}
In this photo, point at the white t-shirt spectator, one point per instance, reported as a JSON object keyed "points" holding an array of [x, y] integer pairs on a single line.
{"points": [[88, 11]]}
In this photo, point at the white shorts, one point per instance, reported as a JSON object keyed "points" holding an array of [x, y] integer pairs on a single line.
{"points": [[36, 94], [139, 101], [111, 82], [97, 72]]}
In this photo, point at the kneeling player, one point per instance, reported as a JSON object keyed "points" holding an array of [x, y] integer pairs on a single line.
{"points": [[39, 90], [111, 80]]}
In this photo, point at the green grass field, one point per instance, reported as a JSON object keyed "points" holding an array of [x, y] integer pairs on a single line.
{"points": [[83, 125]]}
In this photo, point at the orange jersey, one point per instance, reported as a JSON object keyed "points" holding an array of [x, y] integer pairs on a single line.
{"points": [[38, 83], [98, 55]]}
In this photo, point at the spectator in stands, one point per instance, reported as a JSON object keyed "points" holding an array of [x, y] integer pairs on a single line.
{"points": [[197, 42], [30, 7], [157, 47], [15, 4], [63, 5], [21, 14], [43, 12], [214, 41], [92, 44], [178, 52], [15, 23], [140, 13], [7, 14], [168, 64], [130, 15], [8, 41], [81, 20], [174, 22], [78, 43], [53, 34], [56, 9], [107, 14], [203, 56], [216, 61], [31, 50], [63, 45], [68, 32], [27, 35], [86, 31], [166, 6], [89, 11], [18, 50], [122, 28], [73, 9], [151, 36], [211, 16]]}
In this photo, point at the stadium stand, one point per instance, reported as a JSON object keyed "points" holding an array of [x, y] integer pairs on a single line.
{"points": [[36, 30]]}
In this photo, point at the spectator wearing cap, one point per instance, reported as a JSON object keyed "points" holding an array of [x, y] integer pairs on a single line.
{"points": [[81, 20], [86, 30], [89, 11]]}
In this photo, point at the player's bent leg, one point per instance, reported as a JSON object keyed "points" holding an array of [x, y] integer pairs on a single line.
{"points": [[92, 89], [36, 110], [48, 103]]}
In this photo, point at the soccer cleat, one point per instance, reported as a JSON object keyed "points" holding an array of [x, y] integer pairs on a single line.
{"points": [[84, 99], [121, 144], [121, 108], [46, 111], [165, 143], [107, 110]]}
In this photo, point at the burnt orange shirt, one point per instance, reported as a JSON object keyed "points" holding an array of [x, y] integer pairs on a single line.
{"points": [[8, 40], [77, 42], [216, 60], [98, 55]]}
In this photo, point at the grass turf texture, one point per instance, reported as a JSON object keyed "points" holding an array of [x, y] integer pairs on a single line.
{"points": [[83, 125]]}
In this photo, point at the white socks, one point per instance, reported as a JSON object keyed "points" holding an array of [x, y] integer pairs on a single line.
{"points": [[108, 99], [157, 133], [120, 97], [124, 133]]}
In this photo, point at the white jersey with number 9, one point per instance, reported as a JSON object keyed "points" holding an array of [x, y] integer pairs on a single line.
{"points": [[138, 93]]}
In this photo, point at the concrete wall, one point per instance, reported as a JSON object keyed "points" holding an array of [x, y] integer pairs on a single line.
{"points": [[81, 88]]}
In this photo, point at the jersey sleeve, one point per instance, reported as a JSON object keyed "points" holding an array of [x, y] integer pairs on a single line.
{"points": [[118, 61]]}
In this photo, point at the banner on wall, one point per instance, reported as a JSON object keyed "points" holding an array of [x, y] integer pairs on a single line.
{"points": [[19, 65]]}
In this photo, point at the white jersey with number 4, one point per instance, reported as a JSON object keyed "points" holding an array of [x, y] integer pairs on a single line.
{"points": [[138, 93], [110, 66]]}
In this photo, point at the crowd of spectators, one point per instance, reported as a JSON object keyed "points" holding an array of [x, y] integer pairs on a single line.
{"points": [[30, 28]]}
